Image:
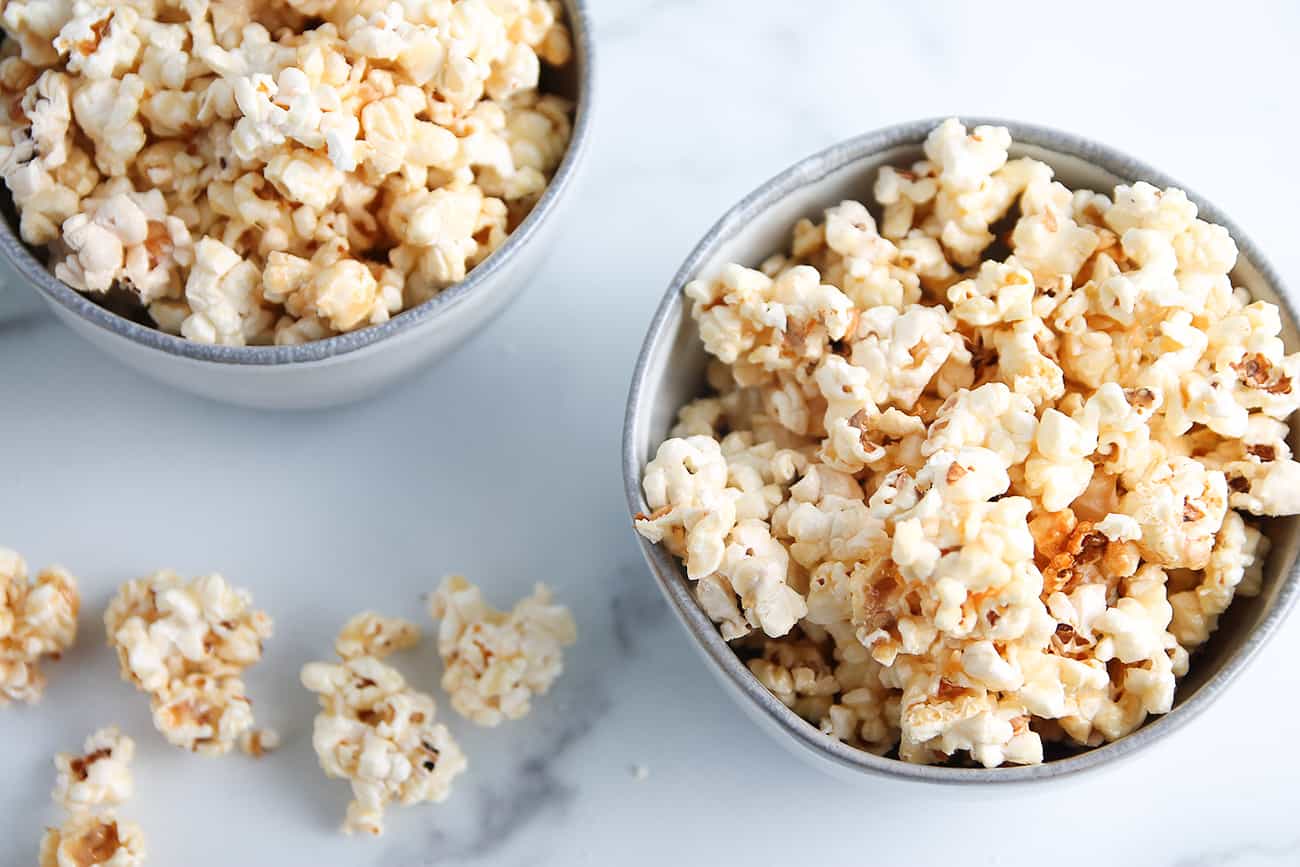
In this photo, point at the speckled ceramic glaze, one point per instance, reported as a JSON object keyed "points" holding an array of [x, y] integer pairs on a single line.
{"points": [[354, 365], [670, 372]]}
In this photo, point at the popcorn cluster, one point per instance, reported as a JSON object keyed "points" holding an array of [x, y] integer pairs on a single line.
{"points": [[494, 662], [187, 645], [374, 730], [280, 172], [967, 491], [36, 619], [88, 786]]}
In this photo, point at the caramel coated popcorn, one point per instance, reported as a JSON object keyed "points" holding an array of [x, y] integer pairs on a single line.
{"points": [[375, 731], [495, 662], [99, 776], [956, 503], [276, 173], [93, 840], [88, 786], [187, 645], [37, 619]]}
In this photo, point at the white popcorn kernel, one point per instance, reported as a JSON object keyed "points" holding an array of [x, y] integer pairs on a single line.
{"points": [[1119, 528], [100, 776], [37, 619], [222, 292], [1234, 566], [902, 352], [1058, 471], [494, 662]]}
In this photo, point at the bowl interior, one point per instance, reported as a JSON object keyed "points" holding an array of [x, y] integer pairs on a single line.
{"points": [[671, 372]]}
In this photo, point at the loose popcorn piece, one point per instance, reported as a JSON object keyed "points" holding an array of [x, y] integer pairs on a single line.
{"points": [[371, 634], [187, 645], [277, 173], [374, 730], [100, 776], [955, 507], [494, 662], [37, 619], [259, 742], [88, 786], [88, 839]]}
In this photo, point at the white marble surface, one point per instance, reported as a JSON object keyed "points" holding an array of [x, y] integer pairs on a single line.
{"points": [[503, 463]]}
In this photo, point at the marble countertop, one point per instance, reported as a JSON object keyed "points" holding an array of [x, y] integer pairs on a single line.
{"points": [[502, 463]]}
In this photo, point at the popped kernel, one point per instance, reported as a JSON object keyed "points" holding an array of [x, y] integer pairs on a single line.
{"points": [[37, 619], [88, 839], [99, 776], [495, 662], [961, 507]]}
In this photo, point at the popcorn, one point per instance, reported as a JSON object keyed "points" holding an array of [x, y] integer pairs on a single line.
{"points": [[88, 787], [371, 634], [1236, 566], [377, 732], [1179, 508], [975, 507], [100, 776], [93, 840], [495, 662], [187, 644], [36, 619], [393, 148]]}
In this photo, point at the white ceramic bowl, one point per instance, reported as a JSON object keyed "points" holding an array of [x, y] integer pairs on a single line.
{"points": [[670, 372], [354, 365]]}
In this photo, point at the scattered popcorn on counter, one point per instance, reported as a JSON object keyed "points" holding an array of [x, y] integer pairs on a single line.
{"points": [[88, 786], [187, 645], [100, 776], [495, 662], [37, 619], [374, 730], [959, 508], [277, 173]]}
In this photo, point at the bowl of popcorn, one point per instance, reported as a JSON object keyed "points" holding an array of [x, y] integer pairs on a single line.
{"points": [[286, 204], [962, 453]]}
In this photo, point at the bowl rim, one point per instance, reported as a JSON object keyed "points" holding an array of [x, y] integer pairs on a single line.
{"points": [[670, 577], [21, 257]]}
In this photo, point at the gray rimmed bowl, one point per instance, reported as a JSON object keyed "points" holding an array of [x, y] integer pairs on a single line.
{"points": [[670, 372], [358, 364]]}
